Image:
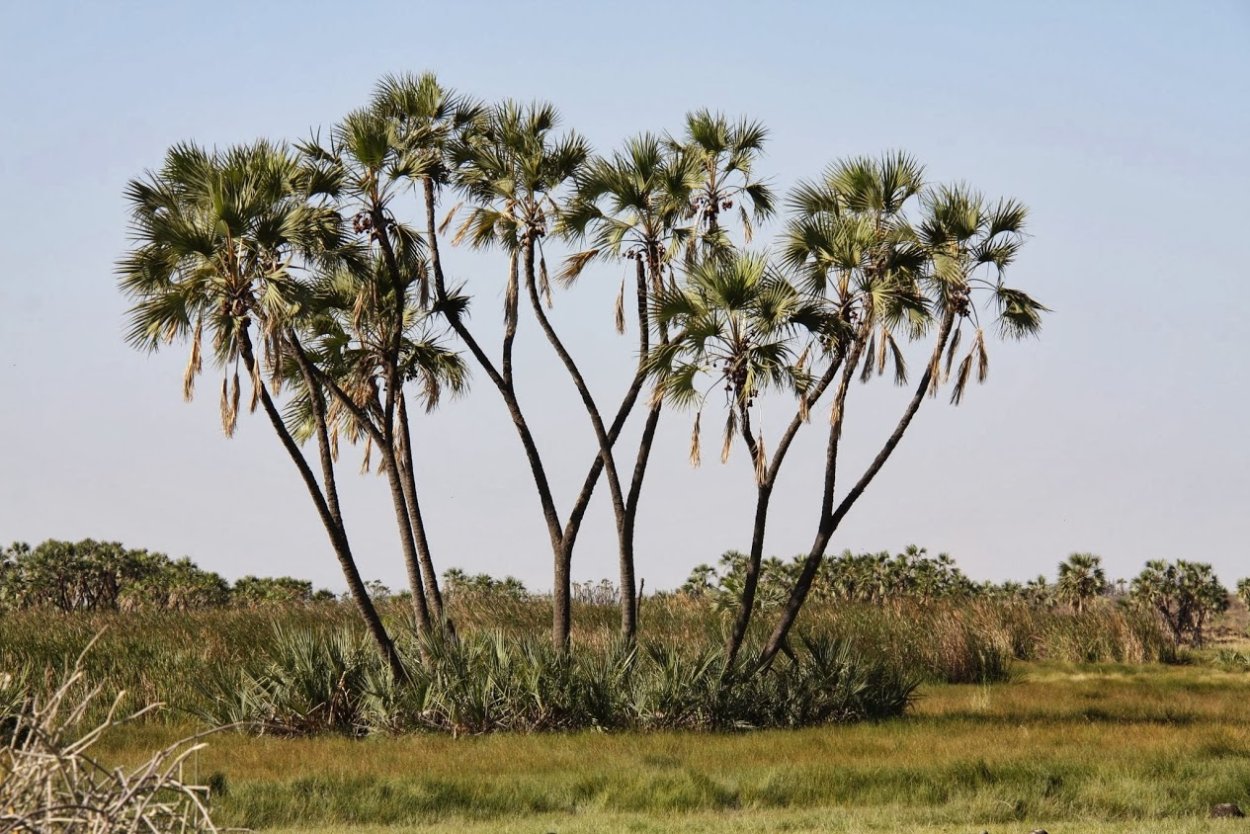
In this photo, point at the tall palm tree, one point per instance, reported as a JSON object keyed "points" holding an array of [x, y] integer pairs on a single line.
{"points": [[914, 279], [742, 327], [515, 173], [632, 205], [371, 168], [218, 238], [1081, 579]]}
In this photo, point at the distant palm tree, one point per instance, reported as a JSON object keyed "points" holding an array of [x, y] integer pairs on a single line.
{"points": [[1081, 579], [217, 240], [1243, 591]]}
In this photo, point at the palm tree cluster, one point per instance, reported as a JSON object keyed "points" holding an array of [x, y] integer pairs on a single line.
{"points": [[293, 269]]}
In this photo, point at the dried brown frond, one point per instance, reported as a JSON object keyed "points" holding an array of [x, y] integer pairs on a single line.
{"points": [[620, 308], [961, 379], [950, 350], [696, 458], [983, 356], [442, 227], [883, 344], [731, 426], [367, 463], [870, 356], [761, 460], [194, 363], [544, 281], [573, 266], [234, 401], [510, 296]]}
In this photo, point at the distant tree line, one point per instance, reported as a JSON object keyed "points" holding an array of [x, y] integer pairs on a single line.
{"points": [[90, 575], [1185, 595]]}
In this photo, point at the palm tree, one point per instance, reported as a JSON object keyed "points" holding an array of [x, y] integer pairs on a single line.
{"points": [[369, 168], [633, 205], [1081, 579], [725, 154], [1243, 591], [218, 238], [514, 172], [741, 325], [851, 236]]}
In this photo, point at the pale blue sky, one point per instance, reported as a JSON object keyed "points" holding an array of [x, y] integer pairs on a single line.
{"points": [[1125, 126]]}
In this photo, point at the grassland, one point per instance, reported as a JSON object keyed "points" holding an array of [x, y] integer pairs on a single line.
{"points": [[1059, 744]]}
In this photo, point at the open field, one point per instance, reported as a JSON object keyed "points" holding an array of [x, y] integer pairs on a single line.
{"points": [[1060, 746]]}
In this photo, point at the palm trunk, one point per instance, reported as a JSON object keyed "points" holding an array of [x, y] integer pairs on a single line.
{"points": [[763, 498], [398, 499], [407, 538], [395, 478], [331, 520], [503, 383], [434, 597], [627, 589], [830, 517]]}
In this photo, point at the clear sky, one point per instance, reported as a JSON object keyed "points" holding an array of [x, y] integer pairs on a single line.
{"points": [[1125, 126]]}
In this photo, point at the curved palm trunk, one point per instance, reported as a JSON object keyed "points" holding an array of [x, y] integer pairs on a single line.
{"points": [[830, 517], [407, 538], [763, 499], [327, 509], [502, 380], [411, 534], [628, 588], [390, 462]]}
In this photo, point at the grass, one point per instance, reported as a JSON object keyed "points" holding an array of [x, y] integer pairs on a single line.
{"points": [[1013, 730], [1062, 746]]}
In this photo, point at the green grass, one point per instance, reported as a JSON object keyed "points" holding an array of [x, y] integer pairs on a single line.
{"points": [[1065, 747]]}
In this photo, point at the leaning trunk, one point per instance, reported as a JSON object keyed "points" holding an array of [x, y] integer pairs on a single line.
{"points": [[407, 539], [830, 520], [334, 527], [746, 604]]}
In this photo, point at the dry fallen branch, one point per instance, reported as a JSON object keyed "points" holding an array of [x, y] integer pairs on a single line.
{"points": [[49, 782]]}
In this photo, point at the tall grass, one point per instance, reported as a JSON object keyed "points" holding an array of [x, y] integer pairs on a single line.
{"points": [[305, 668]]}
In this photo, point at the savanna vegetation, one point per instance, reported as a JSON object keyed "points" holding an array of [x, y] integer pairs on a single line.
{"points": [[885, 691], [1006, 703]]}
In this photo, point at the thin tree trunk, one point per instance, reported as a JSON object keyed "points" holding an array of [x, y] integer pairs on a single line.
{"points": [[503, 383], [434, 599], [394, 478], [330, 520], [627, 589], [763, 498], [407, 538], [830, 517]]}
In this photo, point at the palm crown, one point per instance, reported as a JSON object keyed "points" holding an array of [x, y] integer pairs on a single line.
{"points": [[219, 237], [737, 319]]}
